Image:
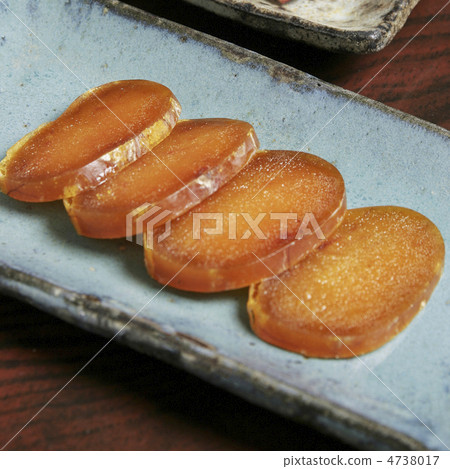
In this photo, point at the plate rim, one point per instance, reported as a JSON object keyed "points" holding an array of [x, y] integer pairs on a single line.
{"points": [[179, 350], [277, 70], [349, 40], [200, 359]]}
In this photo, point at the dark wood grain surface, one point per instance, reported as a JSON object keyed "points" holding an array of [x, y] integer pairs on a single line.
{"points": [[124, 400]]}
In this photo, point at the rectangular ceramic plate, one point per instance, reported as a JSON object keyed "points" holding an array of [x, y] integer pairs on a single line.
{"points": [[396, 397], [346, 25]]}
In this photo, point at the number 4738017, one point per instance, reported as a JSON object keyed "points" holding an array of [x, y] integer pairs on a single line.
{"points": [[413, 460]]}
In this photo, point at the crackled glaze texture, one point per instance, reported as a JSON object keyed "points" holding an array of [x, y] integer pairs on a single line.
{"points": [[384, 156]]}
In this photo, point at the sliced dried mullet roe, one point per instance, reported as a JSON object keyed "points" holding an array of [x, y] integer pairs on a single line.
{"points": [[102, 131], [356, 291], [197, 158], [265, 219]]}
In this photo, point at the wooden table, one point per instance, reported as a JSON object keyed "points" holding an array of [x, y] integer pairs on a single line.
{"points": [[124, 400]]}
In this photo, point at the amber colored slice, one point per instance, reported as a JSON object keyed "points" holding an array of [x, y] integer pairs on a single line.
{"points": [[356, 291], [243, 251], [197, 158], [101, 132]]}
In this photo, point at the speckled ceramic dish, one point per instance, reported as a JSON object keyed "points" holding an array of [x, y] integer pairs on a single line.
{"points": [[345, 25], [396, 397]]}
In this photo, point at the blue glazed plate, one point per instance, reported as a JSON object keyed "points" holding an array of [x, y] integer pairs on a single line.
{"points": [[396, 397]]}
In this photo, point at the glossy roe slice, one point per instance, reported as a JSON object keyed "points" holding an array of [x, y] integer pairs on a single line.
{"points": [[101, 132], [197, 158], [239, 253], [356, 291]]}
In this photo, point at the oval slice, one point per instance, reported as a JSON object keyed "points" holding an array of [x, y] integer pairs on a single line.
{"points": [[264, 219], [356, 291], [197, 158], [101, 132]]}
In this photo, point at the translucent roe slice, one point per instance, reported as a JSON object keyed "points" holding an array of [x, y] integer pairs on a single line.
{"points": [[101, 132], [197, 158], [278, 208], [356, 291]]}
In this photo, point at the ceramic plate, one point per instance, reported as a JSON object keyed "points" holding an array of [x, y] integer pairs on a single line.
{"points": [[345, 25], [396, 397]]}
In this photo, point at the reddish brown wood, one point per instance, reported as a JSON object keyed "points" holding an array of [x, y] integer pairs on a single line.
{"points": [[124, 400], [416, 81]]}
